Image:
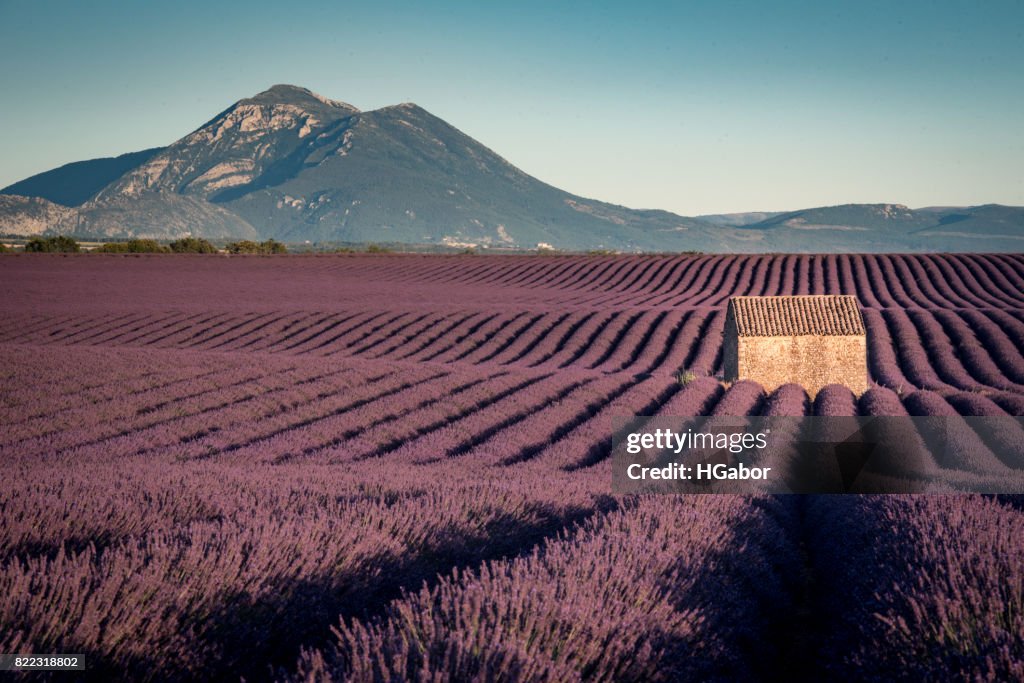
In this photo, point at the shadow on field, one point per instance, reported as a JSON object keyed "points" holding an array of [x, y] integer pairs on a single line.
{"points": [[753, 602], [256, 637]]}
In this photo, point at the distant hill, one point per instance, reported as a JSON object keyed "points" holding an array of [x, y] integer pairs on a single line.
{"points": [[989, 221], [890, 217], [877, 227], [292, 165], [738, 219]]}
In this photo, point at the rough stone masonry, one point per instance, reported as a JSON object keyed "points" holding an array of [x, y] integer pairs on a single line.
{"points": [[811, 340]]}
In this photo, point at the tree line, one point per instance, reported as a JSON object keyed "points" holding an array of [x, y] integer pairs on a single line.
{"points": [[186, 245]]}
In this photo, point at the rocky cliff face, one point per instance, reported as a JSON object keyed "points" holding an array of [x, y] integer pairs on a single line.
{"points": [[160, 215], [168, 194], [235, 147], [34, 216]]}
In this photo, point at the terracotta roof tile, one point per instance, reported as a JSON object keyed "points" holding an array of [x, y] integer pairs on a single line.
{"points": [[788, 316]]}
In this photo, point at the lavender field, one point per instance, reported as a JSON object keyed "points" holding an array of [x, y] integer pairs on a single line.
{"points": [[396, 467]]}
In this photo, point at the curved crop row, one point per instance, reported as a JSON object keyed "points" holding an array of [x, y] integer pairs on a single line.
{"points": [[670, 589], [927, 586]]}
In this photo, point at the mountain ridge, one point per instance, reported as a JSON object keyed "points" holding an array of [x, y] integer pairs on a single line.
{"points": [[293, 165], [75, 183]]}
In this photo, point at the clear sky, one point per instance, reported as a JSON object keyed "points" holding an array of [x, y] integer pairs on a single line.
{"points": [[692, 107]]}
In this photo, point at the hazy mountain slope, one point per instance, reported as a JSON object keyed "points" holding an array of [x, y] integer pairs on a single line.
{"points": [[738, 219], [894, 227], [73, 184], [160, 215], [33, 215], [988, 220], [894, 218]]}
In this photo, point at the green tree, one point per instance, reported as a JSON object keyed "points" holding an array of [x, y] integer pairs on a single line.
{"points": [[192, 245], [59, 244], [270, 246], [243, 247], [3, 248], [133, 246]]}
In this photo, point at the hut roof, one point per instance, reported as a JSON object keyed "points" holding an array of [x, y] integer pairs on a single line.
{"points": [[788, 316]]}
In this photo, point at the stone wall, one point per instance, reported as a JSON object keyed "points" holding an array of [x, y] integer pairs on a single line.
{"points": [[811, 361]]}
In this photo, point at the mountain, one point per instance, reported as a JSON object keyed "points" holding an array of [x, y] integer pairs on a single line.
{"points": [[400, 174], [296, 166]]}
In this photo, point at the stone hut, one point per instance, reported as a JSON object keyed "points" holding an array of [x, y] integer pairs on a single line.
{"points": [[810, 340]]}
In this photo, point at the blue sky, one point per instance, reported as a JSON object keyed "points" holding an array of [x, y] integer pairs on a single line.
{"points": [[691, 107]]}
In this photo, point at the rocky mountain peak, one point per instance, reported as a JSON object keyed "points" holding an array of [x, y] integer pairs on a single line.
{"points": [[298, 97], [236, 146]]}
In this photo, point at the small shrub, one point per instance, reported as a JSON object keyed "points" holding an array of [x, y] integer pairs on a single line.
{"points": [[377, 249], [192, 245], [242, 247], [686, 377], [4, 248], [270, 246]]}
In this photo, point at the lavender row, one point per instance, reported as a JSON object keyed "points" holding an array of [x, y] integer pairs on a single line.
{"points": [[673, 588], [929, 587], [246, 561]]}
